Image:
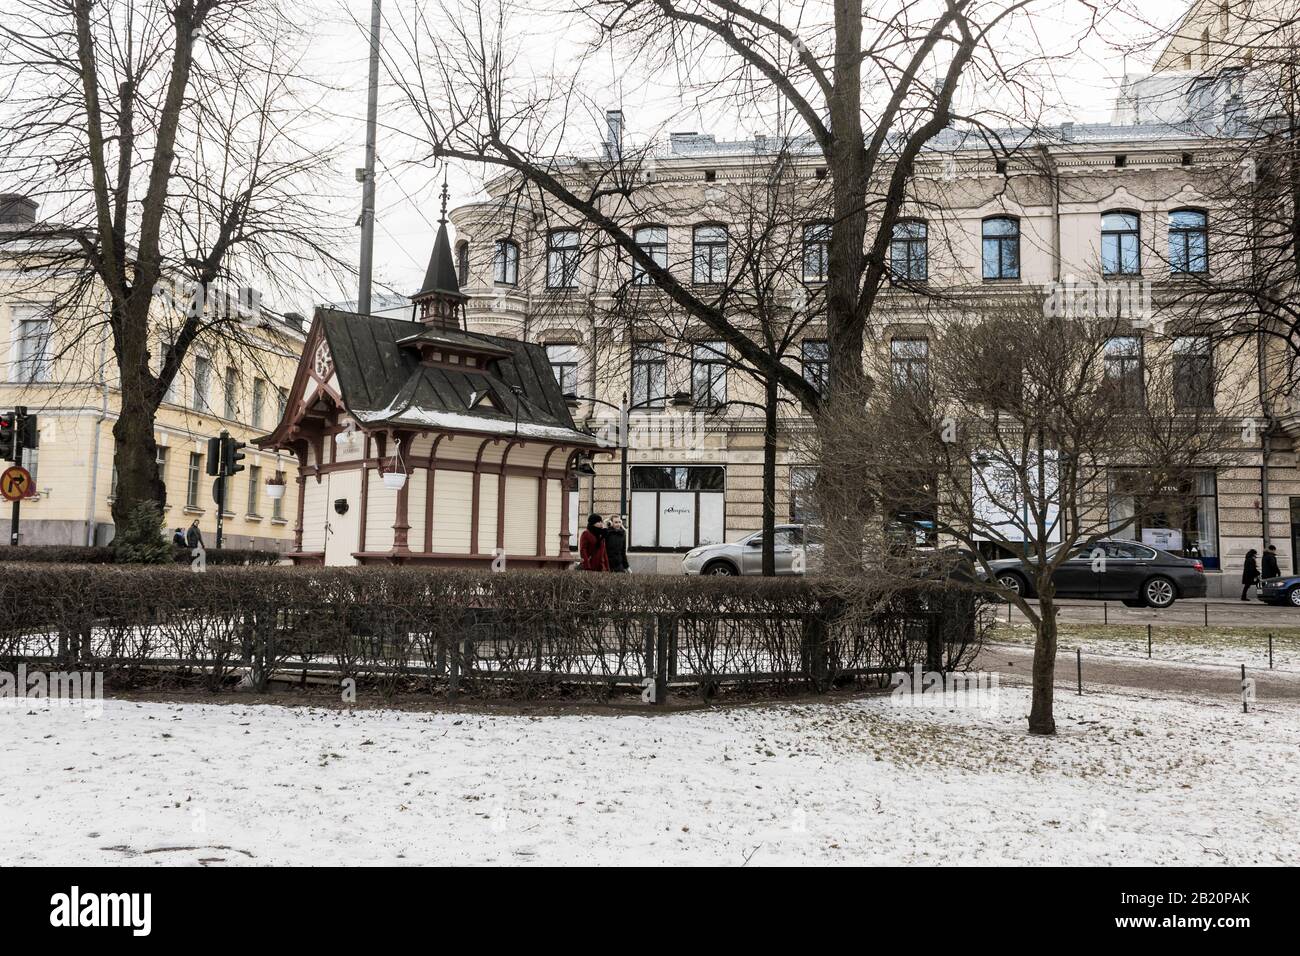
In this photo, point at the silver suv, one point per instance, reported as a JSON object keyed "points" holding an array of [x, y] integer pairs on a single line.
{"points": [[796, 548]]}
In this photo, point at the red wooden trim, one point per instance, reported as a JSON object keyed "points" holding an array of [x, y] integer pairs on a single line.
{"points": [[302, 494], [501, 497], [473, 511], [365, 491], [428, 489]]}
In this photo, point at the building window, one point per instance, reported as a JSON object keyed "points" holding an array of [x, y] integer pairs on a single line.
{"points": [[803, 505], [1188, 242], [254, 487], [1182, 517], [462, 264], [192, 478], [281, 404], [816, 251], [33, 350], [1001, 248], [816, 356], [277, 507], [1123, 354], [709, 257], [202, 380], [649, 375], [908, 250], [909, 362], [653, 241], [231, 397], [259, 399], [1193, 373], [505, 263], [563, 357], [562, 256], [677, 507], [160, 459], [1120, 235], [709, 374]]}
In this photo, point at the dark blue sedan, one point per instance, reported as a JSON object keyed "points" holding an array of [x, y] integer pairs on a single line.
{"points": [[1283, 590]]}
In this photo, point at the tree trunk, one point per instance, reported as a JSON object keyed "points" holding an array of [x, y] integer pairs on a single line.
{"points": [[848, 386], [1041, 720], [769, 478], [135, 453]]}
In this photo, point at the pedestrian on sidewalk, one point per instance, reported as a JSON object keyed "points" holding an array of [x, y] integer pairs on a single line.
{"points": [[591, 545], [616, 543], [1270, 568], [1249, 573]]}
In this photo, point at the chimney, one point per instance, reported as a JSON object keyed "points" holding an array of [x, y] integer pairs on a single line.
{"points": [[295, 320], [16, 210], [614, 134]]}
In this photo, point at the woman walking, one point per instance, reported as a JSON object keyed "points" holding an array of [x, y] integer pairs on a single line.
{"points": [[1249, 573], [616, 543], [591, 546]]}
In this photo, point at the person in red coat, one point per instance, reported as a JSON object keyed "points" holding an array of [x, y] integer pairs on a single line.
{"points": [[591, 546]]}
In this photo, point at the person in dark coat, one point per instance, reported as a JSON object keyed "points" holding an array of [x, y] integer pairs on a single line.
{"points": [[616, 543], [1249, 573], [591, 546], [194, 537], [1269, 561], [178, 538]]}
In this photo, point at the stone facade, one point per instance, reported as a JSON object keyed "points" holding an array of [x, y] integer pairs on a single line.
{"points": [[1056, 190]]}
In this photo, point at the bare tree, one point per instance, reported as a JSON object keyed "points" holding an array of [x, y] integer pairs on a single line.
{"points": [[169, 139], [1012, 438], [868, 87]]}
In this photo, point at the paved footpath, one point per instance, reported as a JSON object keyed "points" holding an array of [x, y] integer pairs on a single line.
{"points": [[1221, 681], [1220, 611]]}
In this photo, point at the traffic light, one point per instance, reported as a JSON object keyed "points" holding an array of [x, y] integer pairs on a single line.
{"points": [[7, 432], [31, 436], [234, 454], [214, 456]]}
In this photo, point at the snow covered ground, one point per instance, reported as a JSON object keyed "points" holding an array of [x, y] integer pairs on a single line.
{"points": [[1130, 779], [1176, 643]]}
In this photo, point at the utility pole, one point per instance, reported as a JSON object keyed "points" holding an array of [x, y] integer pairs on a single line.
{"points": [[367, 175]]}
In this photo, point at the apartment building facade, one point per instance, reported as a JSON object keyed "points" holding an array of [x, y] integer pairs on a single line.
{"points": [[61, 368], [1106, 205]]}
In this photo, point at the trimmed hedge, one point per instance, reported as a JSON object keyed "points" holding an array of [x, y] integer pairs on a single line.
{"points": [[450, 631], [82, 554]]}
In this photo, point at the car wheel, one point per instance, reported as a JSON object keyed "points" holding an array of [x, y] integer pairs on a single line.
{"points": [[1013, 583], [719, 567], [1293, 595], [1159, 592]]}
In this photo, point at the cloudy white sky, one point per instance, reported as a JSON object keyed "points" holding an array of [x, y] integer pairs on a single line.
{"points": [[407, 202]]}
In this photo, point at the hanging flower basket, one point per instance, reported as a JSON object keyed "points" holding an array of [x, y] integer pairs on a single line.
{"points": [[395, 474], [275, 486]]}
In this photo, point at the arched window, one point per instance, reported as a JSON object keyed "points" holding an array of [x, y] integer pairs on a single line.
{"points": [[709, 255], [462, 263], [1001, 248], [1120, 243], [505, 262], [909, 250], [653, 240], [562, 256], [1189, 241]]}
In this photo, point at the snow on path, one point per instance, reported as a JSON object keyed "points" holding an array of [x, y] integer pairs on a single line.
{"points": [[1129, 780]]}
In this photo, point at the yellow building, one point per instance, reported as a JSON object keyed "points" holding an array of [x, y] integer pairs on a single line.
{"points": [[61, 368]]}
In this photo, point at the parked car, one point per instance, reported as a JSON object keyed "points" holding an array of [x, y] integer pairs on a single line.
{"points": [[1132, 573], [1283, 590], [795, 548]]}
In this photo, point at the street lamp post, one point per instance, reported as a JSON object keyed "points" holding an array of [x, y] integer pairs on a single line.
{"points": [[625, 410]]}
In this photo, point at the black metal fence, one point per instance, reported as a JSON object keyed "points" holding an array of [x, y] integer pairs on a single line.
{"points": [[458, 633]]}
